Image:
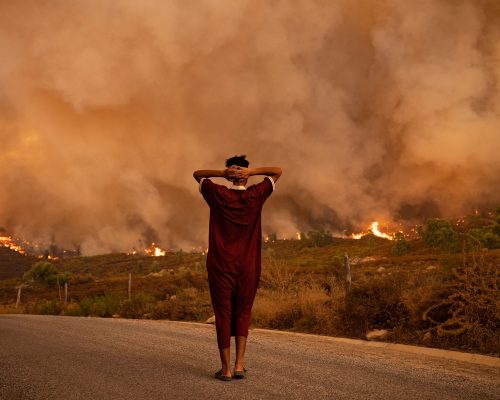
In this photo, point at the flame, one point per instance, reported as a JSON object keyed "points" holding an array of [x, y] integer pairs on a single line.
{"points": [[7, 241], [159, 252], [154, 251], [299, 237], [374, 230]]}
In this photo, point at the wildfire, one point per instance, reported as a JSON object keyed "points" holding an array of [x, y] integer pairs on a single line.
{"points": [[7, 241], [374, 230], [154, 251]]}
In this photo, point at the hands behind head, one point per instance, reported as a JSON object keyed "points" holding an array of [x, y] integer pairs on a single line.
{"points": [[235, 172]]}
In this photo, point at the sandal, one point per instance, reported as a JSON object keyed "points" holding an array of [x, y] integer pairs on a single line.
{"points": [[219, 375], [240, 374]]}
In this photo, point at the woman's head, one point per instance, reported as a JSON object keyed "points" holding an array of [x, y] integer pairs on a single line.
{"points": [[240, 161]]}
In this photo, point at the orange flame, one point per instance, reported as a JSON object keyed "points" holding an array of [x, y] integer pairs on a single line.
{"points": [[375, 231], [7, 241], [154, 251]]}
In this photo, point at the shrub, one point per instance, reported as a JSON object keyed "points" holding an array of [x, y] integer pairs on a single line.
{"points": [[45, 272], [140, 304], [440, 234], [189, 305], [375, 304], [319, 237], [469, 313], [277, 275], [401, 246], [486, 237], [101, 306], [50, 307]]}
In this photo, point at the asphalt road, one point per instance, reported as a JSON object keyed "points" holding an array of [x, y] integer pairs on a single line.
{"points": [[47, 357]]}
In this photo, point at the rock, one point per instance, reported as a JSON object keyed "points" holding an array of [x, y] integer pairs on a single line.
{"points": [[427, 337], [115, 316], [162, 272], [173, 297], [210, 320], [380, 269], [431, 268], [378, 334]]}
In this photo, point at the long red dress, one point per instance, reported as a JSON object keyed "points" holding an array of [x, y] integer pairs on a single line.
{"points": [[234, 253]]}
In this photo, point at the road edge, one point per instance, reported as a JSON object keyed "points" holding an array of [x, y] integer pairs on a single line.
{"points": [[441, 353], [429, 351]]}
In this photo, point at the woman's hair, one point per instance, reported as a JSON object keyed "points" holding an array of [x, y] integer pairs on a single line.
{"points": [[240, 161]]}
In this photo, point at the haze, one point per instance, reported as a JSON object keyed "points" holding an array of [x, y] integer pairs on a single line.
{"points": [[386, 110]]}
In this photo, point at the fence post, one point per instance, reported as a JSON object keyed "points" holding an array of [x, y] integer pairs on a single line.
{"points": [[65, 293], [129, 286], [18, 295], [347, 270], [59, 288]]}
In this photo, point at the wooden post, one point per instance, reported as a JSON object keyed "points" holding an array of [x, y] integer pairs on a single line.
{"points": [[18, 295], [65, 293], [347, 270], [129, 286], [59, 288]]}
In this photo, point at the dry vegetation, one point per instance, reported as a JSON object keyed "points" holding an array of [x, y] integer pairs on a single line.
{"points": [[426, 296]]}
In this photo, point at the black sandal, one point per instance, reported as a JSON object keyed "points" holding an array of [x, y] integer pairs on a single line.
{"points": [[240, 374], [219, 375]]}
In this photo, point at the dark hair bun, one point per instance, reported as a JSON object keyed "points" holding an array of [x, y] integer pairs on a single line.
{"points": [[240, 161]]}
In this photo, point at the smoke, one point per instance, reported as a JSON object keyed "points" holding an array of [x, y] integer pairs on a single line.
{"points": [[374, 109]]}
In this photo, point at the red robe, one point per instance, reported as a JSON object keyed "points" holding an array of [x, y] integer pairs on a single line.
{"points": [[234, 253]]}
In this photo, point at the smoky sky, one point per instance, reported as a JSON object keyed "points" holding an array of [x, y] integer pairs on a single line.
{"points": [[374, 109]]}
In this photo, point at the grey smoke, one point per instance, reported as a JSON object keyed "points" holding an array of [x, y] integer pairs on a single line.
{"points": [[374, 109]]}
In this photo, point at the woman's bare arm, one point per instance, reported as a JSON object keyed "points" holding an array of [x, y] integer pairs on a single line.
{"points": [[215, 173], [244, 173]]}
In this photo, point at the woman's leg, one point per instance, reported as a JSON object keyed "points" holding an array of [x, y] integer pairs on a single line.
{"points": [[241, 344]]}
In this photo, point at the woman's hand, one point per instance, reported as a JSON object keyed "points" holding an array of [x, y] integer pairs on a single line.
{"points": [[241, 172], [230, 173]]}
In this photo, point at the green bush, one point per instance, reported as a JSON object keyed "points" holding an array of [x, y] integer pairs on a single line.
{"points": [[51, 307], [319, 237], [101, 306], [45, 272], [486, 237], [440, 234], [141, 303]]}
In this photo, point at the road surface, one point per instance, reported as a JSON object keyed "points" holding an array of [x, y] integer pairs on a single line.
{"points": [[49, 357]]}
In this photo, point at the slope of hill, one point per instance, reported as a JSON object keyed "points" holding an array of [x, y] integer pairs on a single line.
{"points": [[425, 296], [14, 264]]}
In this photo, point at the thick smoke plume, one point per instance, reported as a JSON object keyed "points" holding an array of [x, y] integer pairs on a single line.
{"points": [[374, 109]]}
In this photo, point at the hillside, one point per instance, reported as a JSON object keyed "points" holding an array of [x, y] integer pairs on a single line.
{"points": [[418, 297], [14, 264]]}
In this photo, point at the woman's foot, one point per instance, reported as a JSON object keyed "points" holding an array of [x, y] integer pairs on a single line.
{"points": [[239, 373], [219, 375]]}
